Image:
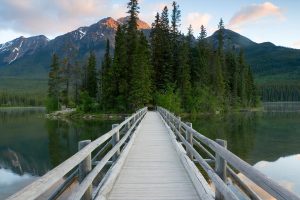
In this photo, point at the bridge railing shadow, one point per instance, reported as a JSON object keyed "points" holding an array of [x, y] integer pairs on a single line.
{"points": [[222, 166]]}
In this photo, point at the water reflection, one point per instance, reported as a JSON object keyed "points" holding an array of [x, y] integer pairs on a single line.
{"points": [[10, 182], [30, 145], [254, 136], [285, 171]]}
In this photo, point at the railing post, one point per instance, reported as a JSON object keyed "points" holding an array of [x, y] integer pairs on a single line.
{"points": [[189, 139], [179, 124], [179, 128], [115, 140], [84, 168], [220, 167], [128, 124]]}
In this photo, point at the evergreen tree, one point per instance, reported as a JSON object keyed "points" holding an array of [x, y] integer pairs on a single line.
{"points": [[53, 85], [141, 86], [157, 55], [120, 73], [200, 75], [105, 78], [91, 76], [185, 78], [175, 40], [221, 36], [203, 33], [166, 64]]}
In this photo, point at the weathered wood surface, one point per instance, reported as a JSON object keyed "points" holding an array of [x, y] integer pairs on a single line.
{"points": [[250, 172], [153, 169]]}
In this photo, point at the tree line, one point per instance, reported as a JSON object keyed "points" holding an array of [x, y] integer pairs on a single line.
{"points": [[13, 99], [279, 92], [170, 69]]}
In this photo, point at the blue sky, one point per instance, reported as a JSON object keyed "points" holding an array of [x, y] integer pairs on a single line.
{"points": [[275, 20]]}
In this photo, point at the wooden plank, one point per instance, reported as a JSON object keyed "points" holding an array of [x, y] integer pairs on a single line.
{"points": [[217, 181], [81, 189], [203, 189], [153, 169]]}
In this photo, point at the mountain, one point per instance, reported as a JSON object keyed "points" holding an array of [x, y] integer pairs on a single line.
{"points": [[25, 61], [30, 57], [271, 64], [17, 48]]}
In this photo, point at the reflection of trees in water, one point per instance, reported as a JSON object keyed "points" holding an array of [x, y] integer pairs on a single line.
{"points": [[237, 129], [64, 136], [254, 136]]}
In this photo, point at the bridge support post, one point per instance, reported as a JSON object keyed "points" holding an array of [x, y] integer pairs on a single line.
{"points": [[189, 139], [128, 124], [84, 169], [220, 167], [115, 140], [179, 128]]}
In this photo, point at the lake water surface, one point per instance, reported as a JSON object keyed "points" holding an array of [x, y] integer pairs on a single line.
{"points": [[31, 145]]}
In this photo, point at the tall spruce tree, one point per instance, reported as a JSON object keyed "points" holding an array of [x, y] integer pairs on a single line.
{"points": [[120, 72], [53, 85], [141, 85], [175, 39], [200, 75], [166, 64], [157, 56], [105, 78], [91, 76]]}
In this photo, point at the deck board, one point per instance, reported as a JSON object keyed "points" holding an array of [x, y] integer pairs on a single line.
{"points": [[153, 169]]}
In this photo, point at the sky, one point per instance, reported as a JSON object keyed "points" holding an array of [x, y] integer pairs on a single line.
{"points": [[273, 21]]}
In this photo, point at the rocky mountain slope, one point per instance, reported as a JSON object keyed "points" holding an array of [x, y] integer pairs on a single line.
{"points": [[30, 57]]}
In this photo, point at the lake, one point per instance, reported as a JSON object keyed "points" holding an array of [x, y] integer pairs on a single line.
{"points": [[31, 145]]}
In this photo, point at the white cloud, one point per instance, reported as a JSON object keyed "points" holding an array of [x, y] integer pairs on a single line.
{"points": [[296, 45], [196, 20], [53, 17], [256, 12]]}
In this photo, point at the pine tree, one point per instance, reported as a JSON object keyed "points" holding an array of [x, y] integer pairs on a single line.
{"points": [[221, 36], [175, 40], [91, 76], [106, 90], [141, 85], [185, 78], [242, 93], [120, 72], [53, 85], [157, 55], [201, 73], [203, 33], [166, 48]]}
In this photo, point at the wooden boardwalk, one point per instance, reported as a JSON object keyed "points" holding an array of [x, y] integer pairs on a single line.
{"points": [[145, 160], [153, 169]]}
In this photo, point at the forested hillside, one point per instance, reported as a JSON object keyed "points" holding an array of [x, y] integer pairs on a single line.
{"points": [[173, 70]]}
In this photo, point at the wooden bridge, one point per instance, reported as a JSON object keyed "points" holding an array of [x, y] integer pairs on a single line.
{"points": [[152, 155]]}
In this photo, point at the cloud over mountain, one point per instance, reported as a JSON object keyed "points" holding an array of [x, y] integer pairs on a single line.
{"points": [[52, 16], [255, 12]]}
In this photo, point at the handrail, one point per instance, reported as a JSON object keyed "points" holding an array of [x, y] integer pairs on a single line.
{"points": [[253, 174], [44, 183]]}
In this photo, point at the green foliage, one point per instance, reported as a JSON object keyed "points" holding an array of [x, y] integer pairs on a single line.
{"points": [[204, 100], [92, 76], [52, 104], [87, 103], [170, 99]]}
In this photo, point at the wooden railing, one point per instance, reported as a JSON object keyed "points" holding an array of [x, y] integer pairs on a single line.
{"points": [[226, 163], [81, 164]]}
